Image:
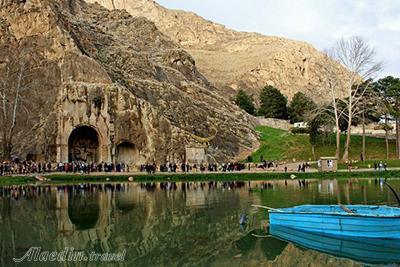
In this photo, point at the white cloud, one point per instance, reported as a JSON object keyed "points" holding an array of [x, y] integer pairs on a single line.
{"points": [[319, 22]]}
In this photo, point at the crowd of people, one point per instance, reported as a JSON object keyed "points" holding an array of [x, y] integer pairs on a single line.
{"points": [[185, 167], [29, 167], [303, 167], [267, 164], [14, 167], [83, 167]]}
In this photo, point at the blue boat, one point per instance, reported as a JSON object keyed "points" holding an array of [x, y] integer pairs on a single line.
{"points": [[366, 250], [339, 220]]}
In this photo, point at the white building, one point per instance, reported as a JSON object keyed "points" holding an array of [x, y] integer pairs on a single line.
{"points": [[301, 125]]}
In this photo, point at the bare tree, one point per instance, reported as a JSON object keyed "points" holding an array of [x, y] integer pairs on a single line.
{"points": [[387, 129], [359, 60], [331, 86]]}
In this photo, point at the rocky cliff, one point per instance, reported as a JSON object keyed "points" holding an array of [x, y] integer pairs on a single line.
{"points": [[118, 75], [231, 59]]}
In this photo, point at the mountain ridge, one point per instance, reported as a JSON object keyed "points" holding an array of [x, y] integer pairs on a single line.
{"points": [[232, 59]]}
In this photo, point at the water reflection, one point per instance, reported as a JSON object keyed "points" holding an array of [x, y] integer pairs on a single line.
{"points": [[171, 224], [83, 210], [271, 247], [368, 250]]}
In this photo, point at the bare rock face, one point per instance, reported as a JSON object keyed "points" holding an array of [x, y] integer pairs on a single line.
{"points": [[235, 60], [116, 87]]}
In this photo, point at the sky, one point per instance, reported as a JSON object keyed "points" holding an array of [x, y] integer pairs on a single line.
{"points": [[319, 22]]}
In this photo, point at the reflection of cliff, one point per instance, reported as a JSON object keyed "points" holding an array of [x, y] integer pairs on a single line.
{"points": [[164, 227], [82, 218], [83, 211], [181, 227], [189, 223], [25, 222]]}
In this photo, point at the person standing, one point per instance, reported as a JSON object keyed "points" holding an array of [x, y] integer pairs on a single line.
{"points": [[380, 166]]}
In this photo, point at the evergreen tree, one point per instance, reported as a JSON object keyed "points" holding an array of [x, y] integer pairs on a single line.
{"points": [[313, 125], [299, 107], [245, 102], [272, 103], [389, 90]]}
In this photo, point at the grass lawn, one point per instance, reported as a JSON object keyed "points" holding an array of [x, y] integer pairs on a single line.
{"points": [[281, 145], [17, 180]]}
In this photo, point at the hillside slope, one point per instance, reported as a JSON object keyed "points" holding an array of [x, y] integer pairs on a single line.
{"points": [[231, 59], [282, 145]]}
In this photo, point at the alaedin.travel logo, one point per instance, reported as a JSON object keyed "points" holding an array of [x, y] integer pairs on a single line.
{"points": [[69, 254]]}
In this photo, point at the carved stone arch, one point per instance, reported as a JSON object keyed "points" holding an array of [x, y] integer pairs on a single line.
{"points": [[84, 143], [127, 153]]}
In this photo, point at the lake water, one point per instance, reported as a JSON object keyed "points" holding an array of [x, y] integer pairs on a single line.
{"points": [[182, 224]]}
